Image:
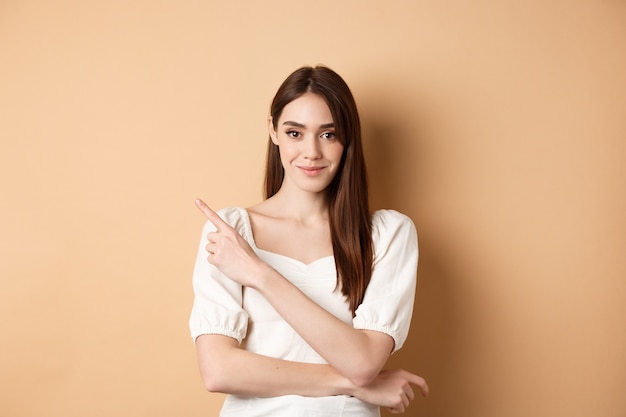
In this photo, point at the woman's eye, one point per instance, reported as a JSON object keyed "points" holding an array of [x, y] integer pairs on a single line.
{"points": [[329, 135], [293, 134]]}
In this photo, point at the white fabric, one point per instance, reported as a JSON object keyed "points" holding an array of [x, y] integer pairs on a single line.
{"points": [[224, 307]]}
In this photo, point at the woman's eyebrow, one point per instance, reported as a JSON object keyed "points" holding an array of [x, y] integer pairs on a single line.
{"points": [[296, 124]]}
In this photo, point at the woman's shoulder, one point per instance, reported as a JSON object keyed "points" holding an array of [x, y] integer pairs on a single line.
{"points": [[232, 214], [388, 223], [236, 217], [388, 217]]}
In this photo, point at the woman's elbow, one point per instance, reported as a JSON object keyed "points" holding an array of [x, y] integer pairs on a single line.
{"points": [[213, 381], [364, 376], [214, 352], [365, 364]]}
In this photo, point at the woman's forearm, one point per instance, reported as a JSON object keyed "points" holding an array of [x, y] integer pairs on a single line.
{"points": [[227, 368], [358, 355]]}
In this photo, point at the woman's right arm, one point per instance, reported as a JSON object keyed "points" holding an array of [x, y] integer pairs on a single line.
{"points": [[218, 324], [227, 368]]}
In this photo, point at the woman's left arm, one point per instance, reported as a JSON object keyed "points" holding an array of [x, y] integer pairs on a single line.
{"points": [[357, 354]]}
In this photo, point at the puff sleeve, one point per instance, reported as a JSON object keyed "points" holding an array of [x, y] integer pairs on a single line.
{"points": [[387, 305], [218, 301]]}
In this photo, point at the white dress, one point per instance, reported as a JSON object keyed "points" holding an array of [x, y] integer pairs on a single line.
{"points": [[222, 306]]}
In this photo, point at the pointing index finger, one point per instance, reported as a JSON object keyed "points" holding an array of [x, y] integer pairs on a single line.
{"points": [[211, 215]]}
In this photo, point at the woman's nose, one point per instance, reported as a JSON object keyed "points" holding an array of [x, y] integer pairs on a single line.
{"points": [[312, 148]]}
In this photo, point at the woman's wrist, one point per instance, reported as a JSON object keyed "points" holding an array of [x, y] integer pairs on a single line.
{"points": [[265, 275]]}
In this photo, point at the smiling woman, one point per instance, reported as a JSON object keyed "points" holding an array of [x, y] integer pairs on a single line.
{"points": [[309, 148], [278, 284]]}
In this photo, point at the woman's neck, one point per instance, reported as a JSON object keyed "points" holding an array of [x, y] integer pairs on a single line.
{"points": [[302, 206]]}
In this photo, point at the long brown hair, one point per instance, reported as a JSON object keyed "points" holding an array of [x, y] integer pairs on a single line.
{"points": [[350, 220]]}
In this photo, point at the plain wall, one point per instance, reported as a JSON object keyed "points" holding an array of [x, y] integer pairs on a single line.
{"points": [[499, 127]]}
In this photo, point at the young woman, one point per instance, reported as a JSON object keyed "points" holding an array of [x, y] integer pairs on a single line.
{"points": [[300, 300]]}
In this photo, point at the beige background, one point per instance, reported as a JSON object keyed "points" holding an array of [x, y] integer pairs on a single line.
{"points": [[499, 127]]}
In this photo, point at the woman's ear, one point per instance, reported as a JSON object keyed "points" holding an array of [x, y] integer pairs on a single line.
{"points": [[273, 134]]}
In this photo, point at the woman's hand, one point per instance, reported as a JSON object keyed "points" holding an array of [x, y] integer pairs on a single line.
{"points": [[229, 252], [392, 389]]}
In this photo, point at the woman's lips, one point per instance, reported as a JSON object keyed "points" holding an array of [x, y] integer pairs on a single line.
{"points": [[311, 171]]}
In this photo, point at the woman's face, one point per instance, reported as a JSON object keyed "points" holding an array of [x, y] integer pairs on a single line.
{"points": [[309, 150]]}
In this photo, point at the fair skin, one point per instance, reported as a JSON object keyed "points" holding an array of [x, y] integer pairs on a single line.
{"points": [[310, 154]]}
